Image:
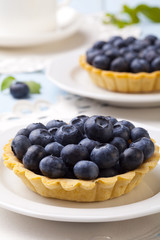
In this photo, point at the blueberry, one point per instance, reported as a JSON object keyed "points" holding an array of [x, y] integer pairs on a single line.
{"points": [[114, 38], [155, 65], [140, 44], [145, 145], [112, 53], [52, 167], [88, 143], [90, 50], [86, 170], [127, 124], [129, 40], [119, 143], [54, 149], [68, 134], [19, 90], [55, 123], [40, 137], [33, 156], [111, 119], [134, 48], [139, 65], [151, 47], [34, 126], [150, 55], [143, 53], [99, 44], [92, 55], [119, 43], [119, 65], [106, 47], [79, 122], [73, 153], [151, 38], [130, 56], [19, 146], [108, 172], [122, 131], [23, 131], [131, 159], [98, 128], [105, 156], [53, 131], [123, 51], [138, 132], [101, 61], [157, 43]]}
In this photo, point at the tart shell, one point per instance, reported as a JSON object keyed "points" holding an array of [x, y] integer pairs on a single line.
{"points": [[122, 82], [100, 189]]}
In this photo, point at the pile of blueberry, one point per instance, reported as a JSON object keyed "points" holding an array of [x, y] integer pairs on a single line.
{"points": [[126, 55], [86, 148]]}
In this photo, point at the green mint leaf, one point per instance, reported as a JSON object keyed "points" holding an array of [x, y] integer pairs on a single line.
{"points": [[133, 14], [7, 82], [116, 21], [153, 13], [34, 87]]}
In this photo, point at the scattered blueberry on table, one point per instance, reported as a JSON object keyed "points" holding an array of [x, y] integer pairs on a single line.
{"points": [[19, 89], [86, 148], [126, 55]]}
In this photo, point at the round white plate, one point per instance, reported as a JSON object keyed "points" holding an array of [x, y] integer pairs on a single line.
{"points": [[68, 22], [66, 73], [143, 200]]}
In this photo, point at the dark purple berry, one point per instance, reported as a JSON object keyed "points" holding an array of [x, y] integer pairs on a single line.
{"points": [[119, 65], [98, 128], [55, 123], [20, 145], [139, 65], [86, 170], [33, 156], [131, 159], [105, 156], [52, 167], [40, 137], [68, 134], [54, 149], [73, 153], [138, 132], [19, 90], [145, 145], [102, 62]]}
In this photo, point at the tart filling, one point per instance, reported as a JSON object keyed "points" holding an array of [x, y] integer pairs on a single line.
{"points": [[96, 178]]}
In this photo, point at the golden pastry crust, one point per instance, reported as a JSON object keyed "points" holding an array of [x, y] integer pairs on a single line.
{"points": [[99, 189], [122, 82]]}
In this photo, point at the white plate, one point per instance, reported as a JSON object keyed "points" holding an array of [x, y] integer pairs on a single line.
{"points": [[65, 72], [68, 22], [143, 200]]}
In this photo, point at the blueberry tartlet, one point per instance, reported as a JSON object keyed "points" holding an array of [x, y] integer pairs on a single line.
{"points": [[124, 65], [89, 159]]}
